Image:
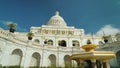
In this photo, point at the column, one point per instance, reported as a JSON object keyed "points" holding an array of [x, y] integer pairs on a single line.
{"points": [[78, 63], [93, 61], [58, 56], [101, 63], [81, 64], [26, 59], [29, 42], [5, 57], [106, 64]]}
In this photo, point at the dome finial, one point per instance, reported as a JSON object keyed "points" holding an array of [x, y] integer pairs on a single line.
{"points": [[57, 12]]}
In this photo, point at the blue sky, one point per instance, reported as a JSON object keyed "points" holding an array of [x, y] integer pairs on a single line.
{"points": [[91, 15]]}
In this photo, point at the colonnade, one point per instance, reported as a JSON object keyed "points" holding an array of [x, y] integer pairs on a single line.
{"points": [[93, 63]]}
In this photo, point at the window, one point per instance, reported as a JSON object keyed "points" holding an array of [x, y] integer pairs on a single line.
{"points": [[75, 43], [62, 43], [50, 42], [36, 41]]}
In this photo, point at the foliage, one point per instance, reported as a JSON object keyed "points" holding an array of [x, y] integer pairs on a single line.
{"points": [[12, 25], [52, 66], [30, 34], [11, 67]]}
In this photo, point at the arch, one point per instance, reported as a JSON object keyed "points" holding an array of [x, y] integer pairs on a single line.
{"points": [[50, 42], [62, 43], [75, 43], [52, 59], [35, 60], [36, 41], [16, 57], [45, 42], [100, 43], [67, 61], [118, 58]]}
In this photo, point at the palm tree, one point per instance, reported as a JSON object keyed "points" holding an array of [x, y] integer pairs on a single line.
{"points": [[30, 35], [12, 27]]}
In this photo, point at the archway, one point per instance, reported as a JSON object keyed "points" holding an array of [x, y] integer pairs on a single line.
{"points": [[16, 57], [67, 61], [118, 58], [100, 43], [75, 43], [50, 42], [45, 42], [62, 43], [52, 59], [36, 41], [35, 60]]}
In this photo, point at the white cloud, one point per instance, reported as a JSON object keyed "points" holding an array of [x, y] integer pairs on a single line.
{"points": [[6, 22], [108, 30]]}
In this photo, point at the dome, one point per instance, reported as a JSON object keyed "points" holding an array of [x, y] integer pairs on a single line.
{"points": [[57, 20]]}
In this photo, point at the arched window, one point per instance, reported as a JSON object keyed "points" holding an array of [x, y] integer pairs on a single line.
{"points": [[36, 41], [52, 59], [35, 60], [16, 57], [45, 42], [100, 43], [59, 42], [62, 43], [67, 61], [75, 43], [50, 42]]}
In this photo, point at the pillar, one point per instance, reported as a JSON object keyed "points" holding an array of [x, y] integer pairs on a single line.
{"points": [[106, 64], [101, 63], [26, 58], [78, 62], [81, 63], [93, 61]]}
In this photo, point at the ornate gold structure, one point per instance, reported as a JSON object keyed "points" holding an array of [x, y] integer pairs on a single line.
{"points": [[89, 47], [93, 57]]}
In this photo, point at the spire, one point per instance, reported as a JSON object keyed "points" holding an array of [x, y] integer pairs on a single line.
{"points": [[57, 13]]}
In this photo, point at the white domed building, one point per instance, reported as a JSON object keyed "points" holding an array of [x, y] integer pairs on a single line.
{"points": [[52, 45]]}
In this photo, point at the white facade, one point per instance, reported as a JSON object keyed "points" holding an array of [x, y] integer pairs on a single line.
{"points": [[52, 45]]}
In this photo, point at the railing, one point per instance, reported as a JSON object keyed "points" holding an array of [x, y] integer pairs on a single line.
{"points": [[10, 36], [4, 33], [63, 49]]}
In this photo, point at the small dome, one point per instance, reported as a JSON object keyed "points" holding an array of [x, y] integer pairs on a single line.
{"points": [[57, 20]]}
